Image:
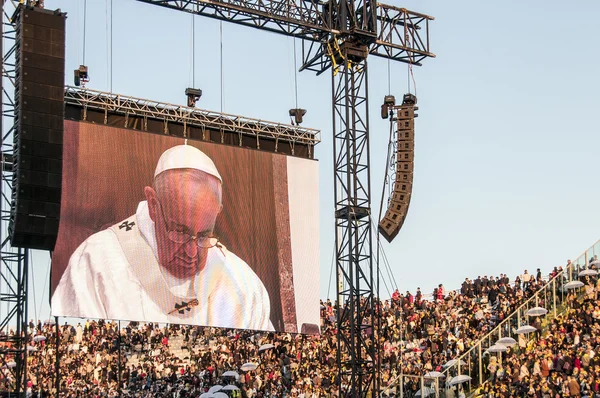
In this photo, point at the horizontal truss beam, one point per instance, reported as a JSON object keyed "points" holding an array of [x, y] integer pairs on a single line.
{"points": [[124, 105], [398, 34]]}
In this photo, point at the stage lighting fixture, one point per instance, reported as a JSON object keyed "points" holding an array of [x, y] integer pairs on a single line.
{"points": [[297, 114], [388, 102], [193, 95], [81, 76]]}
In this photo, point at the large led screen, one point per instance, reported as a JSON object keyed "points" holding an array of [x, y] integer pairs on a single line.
{"points": [[157, 229]]}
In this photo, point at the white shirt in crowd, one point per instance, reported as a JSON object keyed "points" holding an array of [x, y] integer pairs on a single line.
{"points": [[114, 274]]}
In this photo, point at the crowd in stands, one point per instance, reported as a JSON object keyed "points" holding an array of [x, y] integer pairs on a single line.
{"points": [[417, 335], [562, 361]]}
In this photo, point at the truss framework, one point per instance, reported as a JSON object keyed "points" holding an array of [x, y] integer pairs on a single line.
{"points": [[357, 292], [393, 32], [13, 261], [169, 113]]}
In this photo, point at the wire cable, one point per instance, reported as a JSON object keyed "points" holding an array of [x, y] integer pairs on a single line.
{"points": [[330, 273], [46, 280], [32, 268], [111, 45], [295, 74], [193, 51], [221, 55], [107, 45], [84, 27]]}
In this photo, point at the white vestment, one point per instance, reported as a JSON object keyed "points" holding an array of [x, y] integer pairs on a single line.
{"points": [[114, 274]]}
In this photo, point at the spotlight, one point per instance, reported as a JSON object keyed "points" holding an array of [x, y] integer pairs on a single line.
{"points": [[81, 76], [193, 95], [297, 114], [388, 102]]}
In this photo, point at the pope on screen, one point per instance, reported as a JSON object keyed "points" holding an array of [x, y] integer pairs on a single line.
{"points": [[163, 264]]}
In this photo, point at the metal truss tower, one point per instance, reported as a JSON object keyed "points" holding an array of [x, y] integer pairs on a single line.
{"points": [[338, 35], [13, 261]]}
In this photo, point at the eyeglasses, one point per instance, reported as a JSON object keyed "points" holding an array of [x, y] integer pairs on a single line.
{"points": [[179, 237]]}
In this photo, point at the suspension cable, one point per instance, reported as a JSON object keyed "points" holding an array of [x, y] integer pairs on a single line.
{"points": [[84, 27], [32, 268], [221, 54], [107, 45], [111, 46], [46, 280], [295, 74], [330, 272]]}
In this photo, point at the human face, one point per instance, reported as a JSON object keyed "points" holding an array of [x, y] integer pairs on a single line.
{"points": [[190, 207]]}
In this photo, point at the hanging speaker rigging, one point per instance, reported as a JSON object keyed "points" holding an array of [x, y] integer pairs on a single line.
{"points": [[401, 164]]}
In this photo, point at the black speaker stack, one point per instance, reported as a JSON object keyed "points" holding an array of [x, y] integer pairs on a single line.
{"points": [[395, 215], [38, 128]]}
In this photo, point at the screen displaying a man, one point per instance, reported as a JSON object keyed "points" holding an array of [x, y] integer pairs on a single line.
{"points": [[164, 263]]}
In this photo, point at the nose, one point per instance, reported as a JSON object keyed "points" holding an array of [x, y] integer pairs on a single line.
{"points": [[191, 249]]}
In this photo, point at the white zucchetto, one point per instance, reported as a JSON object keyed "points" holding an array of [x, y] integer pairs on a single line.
{"points": [[186, 157]]}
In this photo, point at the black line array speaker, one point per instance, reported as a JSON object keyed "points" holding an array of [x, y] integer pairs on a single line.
{"points": [[38, 129], [399, 201]]}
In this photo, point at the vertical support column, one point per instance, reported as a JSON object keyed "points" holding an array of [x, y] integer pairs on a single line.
{"points": [[554, 296], [13, 261], [480, 361], [357, 345]]}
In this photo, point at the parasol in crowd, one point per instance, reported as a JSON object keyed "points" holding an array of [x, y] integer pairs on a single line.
{"points": [[507, 341], [434, 375], [231, 373], [497, 348], [459, 380], [574, 284], [427, 391], [248, 367], [588, 272], [215, 388], [264, 347], [230, 387], [525, 329], [39, 338], [536, 311]]}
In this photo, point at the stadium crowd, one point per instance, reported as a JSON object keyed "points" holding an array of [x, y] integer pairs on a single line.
{"points": [[417, 335]]}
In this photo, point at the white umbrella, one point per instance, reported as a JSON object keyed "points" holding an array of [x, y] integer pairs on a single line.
{"points": [[595, 262], [31, 348], [11, 364], [536, 311], [588, 272], [248, 367], [49, 322], [526, 329], [427, 391], [231, 373], [230, 387], [459, 380], [215, 388], [434, 375], [220, 395], [267, 346], [206, 395], [507, 341], [497, 348], [39, 338], [453, 362], [574, 284]]}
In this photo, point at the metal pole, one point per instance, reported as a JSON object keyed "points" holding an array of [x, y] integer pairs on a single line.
{"points": [[119, 348], [480, 364], [554, 295], [57, 379]]}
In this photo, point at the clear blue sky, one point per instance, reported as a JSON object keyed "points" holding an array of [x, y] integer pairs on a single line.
{"points": [[507, 140]]}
